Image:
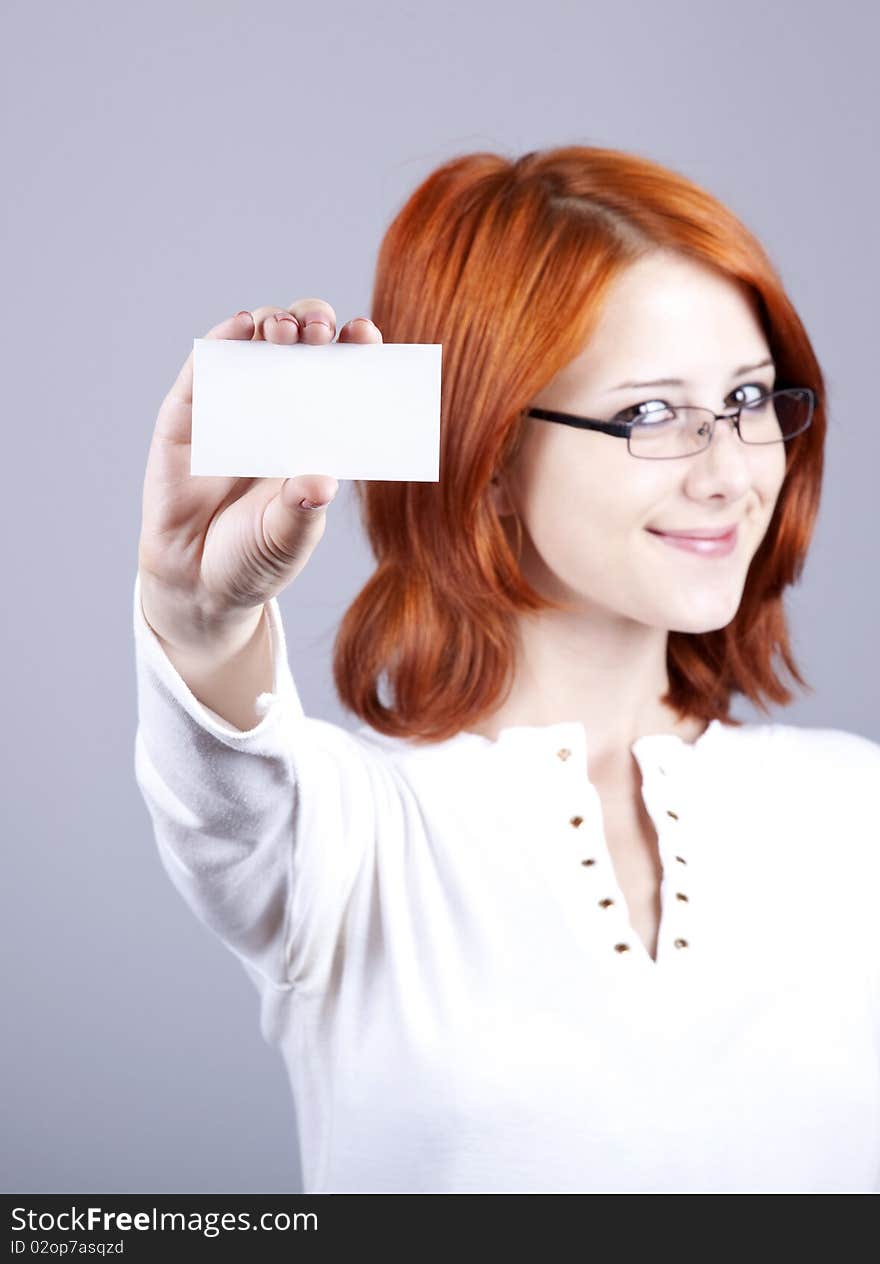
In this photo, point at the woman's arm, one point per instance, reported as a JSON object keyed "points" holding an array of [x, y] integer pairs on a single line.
{"points": [[229, 677], [263, 830]]}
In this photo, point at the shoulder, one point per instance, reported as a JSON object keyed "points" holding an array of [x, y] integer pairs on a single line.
{"points": [[801, 763], [804, 741], [837, 751], [806, 799], [824, 777]]}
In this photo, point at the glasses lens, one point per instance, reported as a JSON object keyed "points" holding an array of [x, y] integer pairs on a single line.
{"points": [[672, 432], [778, 417]]}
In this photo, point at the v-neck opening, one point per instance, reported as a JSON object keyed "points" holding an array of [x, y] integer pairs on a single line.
{"points": [[659, 757]]}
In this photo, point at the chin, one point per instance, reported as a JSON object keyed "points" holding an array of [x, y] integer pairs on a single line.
{"points": [[696, 629], [695, 621]]}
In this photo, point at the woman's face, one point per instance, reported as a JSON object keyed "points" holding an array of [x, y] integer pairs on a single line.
{"points": [[587, 505]]}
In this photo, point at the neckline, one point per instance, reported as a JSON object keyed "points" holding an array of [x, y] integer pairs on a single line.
{"points": [[526, 733], [529, 734]]}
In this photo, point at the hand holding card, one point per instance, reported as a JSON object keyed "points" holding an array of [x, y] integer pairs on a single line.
{"points": [[216, 546]]}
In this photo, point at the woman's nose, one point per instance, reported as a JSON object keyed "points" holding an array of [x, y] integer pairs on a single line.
{"points": [[726, 452], [725, 434]]}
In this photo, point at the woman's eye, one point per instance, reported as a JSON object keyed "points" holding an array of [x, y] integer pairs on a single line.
{"points": [[756, 386], [651, 408], [655, 409]]}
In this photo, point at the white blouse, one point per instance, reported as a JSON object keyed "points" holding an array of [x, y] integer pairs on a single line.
{"points": [[445, 961]]}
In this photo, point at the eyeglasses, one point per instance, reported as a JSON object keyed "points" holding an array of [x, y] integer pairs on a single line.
{"points": [[668, 432]]}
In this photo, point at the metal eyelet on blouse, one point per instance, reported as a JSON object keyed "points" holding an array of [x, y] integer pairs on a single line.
{"points": [[590, 860], [681, 943], [606, 903], [576, 821], [621, 947]]}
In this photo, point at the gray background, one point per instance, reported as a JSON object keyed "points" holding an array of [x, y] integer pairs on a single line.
{"points": [[167, 165]]}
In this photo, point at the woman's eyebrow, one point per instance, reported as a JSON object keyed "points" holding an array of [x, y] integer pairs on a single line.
{"points": [[677, 381]]}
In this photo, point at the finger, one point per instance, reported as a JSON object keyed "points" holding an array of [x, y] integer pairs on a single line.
{"points": [[317, 320], [361, 329], [274, 324], [281, 327]]}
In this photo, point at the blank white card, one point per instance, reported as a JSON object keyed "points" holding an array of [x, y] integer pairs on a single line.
{"points": [[350, 410]]}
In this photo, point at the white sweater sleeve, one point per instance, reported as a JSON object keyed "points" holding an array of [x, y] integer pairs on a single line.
{"points": [[261, 831]]}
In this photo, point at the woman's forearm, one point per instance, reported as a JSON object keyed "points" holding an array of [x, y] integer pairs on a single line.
{"points": [[228, 677]]}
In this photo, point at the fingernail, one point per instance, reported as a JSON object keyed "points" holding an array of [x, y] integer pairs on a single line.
{"points": [[247, 314], [320, 504]]}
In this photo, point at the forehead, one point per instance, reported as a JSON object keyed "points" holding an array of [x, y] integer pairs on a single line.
{"points": [[668, 316]]}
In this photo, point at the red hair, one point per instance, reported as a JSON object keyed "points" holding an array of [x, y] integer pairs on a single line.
{"points": [[506, 264]]}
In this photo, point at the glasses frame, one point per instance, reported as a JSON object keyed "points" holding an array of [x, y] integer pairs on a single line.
{"points": [[623, 429]]}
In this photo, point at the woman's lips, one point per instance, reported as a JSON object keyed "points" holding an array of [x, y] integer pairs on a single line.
{"points": [[719, 547]]}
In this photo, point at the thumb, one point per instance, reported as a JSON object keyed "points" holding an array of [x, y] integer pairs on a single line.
{"points": [[309, 495], [288, 525]]}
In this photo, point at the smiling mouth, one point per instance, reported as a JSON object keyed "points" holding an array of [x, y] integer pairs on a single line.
{"points": [[712, 546], [699, 533]]}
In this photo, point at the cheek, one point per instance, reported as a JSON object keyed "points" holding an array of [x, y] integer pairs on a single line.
{"points": [[582, 526], [591, 507], [769, 479], [781, 470], [574, 503]]}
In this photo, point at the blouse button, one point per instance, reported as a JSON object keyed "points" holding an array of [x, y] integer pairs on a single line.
{"points": [[674, 815], [679, 895], [606, 903], [681, 943], [589, 861], [663, 771], [621, 947], [576, 820], [564, 753]]}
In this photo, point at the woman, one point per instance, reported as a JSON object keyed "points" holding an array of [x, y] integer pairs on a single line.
{"points": [[549, 919]]}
